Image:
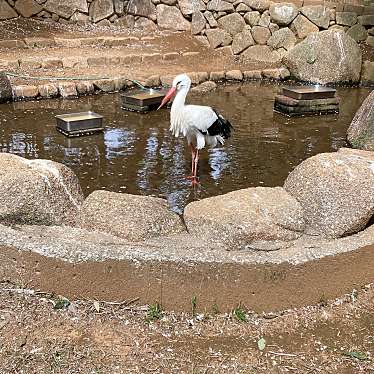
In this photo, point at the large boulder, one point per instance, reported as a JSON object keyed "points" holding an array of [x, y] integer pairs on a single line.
{"points": [[37, 192], [336, 191], [241, 217], [170, 17], [132, 217], [325, 57], [361, 131], [283, 13]]}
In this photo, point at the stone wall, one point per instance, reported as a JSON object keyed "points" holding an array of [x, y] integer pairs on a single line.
{"points": [[238, 24]]}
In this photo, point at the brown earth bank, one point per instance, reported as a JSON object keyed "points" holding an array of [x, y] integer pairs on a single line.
{"points": [[43, 333]]}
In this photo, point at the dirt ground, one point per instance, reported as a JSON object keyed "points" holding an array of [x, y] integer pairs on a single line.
{"points": [[41, 333]]}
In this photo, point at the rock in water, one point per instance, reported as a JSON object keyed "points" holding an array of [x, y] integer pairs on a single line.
{"points": [[37, 192], [131, 217], [5, 88], [325, 57], [335, 190], [360, 133]]}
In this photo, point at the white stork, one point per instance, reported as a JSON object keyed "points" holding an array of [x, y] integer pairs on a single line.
{"points": [[199, 124]]}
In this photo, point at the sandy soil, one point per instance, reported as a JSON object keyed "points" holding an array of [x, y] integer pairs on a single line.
{"points": [[41, 335]]}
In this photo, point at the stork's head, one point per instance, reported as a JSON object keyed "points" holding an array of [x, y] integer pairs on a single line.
{"points": [[181, 81]]}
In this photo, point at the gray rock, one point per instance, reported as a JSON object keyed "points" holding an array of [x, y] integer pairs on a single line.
{"points": [[27, 8], [37, 192], [252, 18], [189, 7], [127, 21], [85, 87], [204, 87], [169, 17], [346, 18], [143, 8], [260, 34], [5, 88], [335, 190], [264, 19], [218, 37], [316, 58], [273, 27], [66, 8], [370, 40], [80, 18], [48, 90], [367, 74], [283, 38], [318, 14], [101, 9], [145, 24], [242, 41], [366, 20], [360, 133], [210, 18], [105, 85], [302, 27], [242, 8], [25, 91], [198, 23], [357, 32], [234, 75], [131, 217], [238, 218], [6, 11], [68, 90], [232, 23], [260, 5], [283, 13], [220, 6], [337, 28], [262, 53]]}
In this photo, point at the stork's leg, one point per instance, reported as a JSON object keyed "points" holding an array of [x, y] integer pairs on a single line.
{"points": [[193, 155], [196, 161]]}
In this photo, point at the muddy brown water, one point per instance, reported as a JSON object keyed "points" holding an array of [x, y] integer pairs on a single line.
{"points": [[137, 154]]}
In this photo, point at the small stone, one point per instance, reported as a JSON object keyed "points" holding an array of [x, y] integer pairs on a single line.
{"points": [[105, 85], [303, 27], [204, 87], [265, 19], [51, 63], [152, 81], [260, 34], [235, 75], [252, 74], [283, 13], [260, 5], [220, 6], [85, 88], [252, 18], [30, 64], [218, 37], [232, 23], [198, 23], [283, 38], [48, 90], [203, 40], [243, 8], [242, 41], [217, 76], [68, 90], [357, 32], [346, 18], [25, 92], [211, 20]]}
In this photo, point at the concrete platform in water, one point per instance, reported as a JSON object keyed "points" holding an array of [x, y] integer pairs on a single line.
{"points": [[142, 100], [298, 101]]}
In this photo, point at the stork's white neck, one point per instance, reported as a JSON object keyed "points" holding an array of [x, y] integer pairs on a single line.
{"points": [[179, 99], [176, 114]]}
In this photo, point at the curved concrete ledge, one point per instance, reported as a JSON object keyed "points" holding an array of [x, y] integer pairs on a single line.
{"points": [[80, 264]]}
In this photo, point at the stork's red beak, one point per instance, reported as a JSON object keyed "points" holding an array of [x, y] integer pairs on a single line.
{"points": [[167, 97]]}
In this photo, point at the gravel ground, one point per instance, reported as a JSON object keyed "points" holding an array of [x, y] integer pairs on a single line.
{"points": [[41, 333]]}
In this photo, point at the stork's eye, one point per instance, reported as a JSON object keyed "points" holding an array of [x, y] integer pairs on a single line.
{"points": [[179, 84]]}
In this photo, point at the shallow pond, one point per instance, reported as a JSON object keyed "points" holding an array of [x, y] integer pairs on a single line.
{"points": [[137, 154]]}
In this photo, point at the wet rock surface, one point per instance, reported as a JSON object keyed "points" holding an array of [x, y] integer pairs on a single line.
{"points": [[245, 216], [336, 191], [5, 88], [132, 217], [325, 57], [360, 133], [37, 192]]}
